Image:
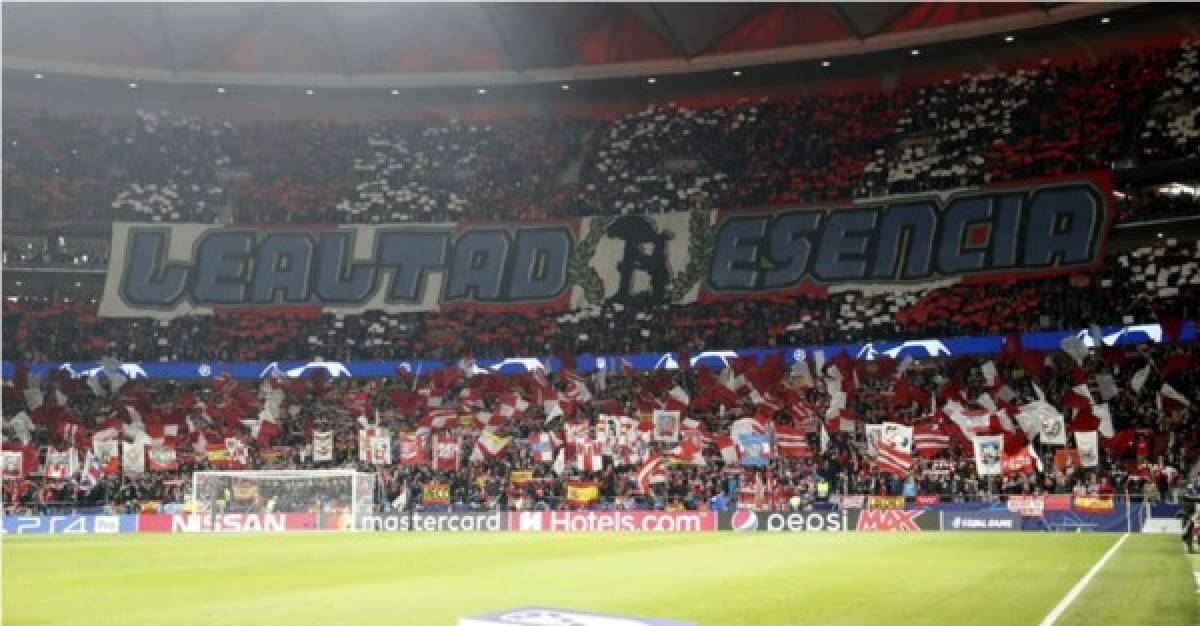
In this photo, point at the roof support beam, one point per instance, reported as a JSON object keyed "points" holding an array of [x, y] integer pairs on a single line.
{"points": [[504, 47], [844, 18], [166, 40], [669, 31], [337, 39]]}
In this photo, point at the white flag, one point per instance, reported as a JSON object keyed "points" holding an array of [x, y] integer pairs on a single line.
{"points": [[1138, 380], [1053, 430], [1104, 414], [381, 450], [133, 458], [1089, 448], [1107, 387], [987, 454], [989, 373], [1074, 348], [898, 436], [323, 445]]}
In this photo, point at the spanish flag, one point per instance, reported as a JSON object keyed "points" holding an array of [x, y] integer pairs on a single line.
{"points": [[581, 493], [520, 477]]}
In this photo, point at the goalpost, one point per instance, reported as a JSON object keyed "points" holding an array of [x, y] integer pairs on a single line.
{"points": [[332, 491]]}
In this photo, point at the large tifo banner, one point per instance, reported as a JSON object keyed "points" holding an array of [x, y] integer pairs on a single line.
{"points": [[165, 271]]}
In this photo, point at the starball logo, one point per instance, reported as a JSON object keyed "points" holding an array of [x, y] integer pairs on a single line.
{"points": [[744, 520]]}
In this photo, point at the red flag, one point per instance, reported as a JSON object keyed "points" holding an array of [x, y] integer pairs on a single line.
{"points": [[412, 449], [589, 455], [687, 452], [447, 452], [1177, 363], [728, 449], [1121, 442]]}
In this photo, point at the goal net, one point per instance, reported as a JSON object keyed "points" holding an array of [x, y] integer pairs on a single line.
{"points": [[327, 492]]}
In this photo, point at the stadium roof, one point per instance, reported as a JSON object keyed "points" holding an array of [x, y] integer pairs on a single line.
{"points": [[400, 44]]}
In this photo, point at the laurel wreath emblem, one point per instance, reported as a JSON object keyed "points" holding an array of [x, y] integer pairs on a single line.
{"points": [[579, 268], [700, 251]]}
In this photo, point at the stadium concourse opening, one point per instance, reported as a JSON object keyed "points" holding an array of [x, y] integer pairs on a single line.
{"points": [[643, 313]]}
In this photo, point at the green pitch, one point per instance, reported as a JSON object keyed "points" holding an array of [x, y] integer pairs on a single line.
{"points": [[711, 578]]}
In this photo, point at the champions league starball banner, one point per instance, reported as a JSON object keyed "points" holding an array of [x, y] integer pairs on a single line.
{"points": [[165, 271], [588, 363]]}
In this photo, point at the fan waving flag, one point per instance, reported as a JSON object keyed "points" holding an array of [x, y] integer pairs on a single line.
{"points": [[489, 445]]}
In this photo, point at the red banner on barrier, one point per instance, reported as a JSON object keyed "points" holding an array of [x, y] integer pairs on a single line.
{"points": [[1058, 503], [612, 521], [927, 500], [234, 523]]}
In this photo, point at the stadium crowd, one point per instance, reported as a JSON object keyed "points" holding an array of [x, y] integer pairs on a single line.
{"points": [[983, 128], [821, 410]]}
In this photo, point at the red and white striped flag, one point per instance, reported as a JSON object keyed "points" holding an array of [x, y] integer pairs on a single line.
{"points": [[653, 472], [892, 459], [791, 442], [589, 455], [929, 441], [447, 452]]}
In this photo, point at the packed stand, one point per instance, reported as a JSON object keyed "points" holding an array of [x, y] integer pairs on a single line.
{"points": [[1172, 129], [756, 433], [988, 127]]}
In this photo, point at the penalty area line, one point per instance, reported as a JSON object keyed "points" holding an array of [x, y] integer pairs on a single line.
{"points": [[1062, 605]]}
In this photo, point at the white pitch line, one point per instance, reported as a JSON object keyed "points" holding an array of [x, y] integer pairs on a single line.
{"points": [[1062, 605]]}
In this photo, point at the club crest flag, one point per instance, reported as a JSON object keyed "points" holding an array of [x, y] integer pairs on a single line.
{"points": [[323, 445], [988, 454], [1088, 445], [133, 458], [1053, 430], [381, 450], [108, 452], [12, 463], [898, 436], [161, 458], [874, 434], [666, 426]]}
